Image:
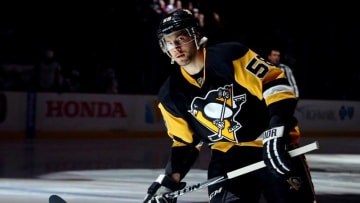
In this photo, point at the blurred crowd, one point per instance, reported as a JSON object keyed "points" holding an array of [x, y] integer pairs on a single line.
{"points": [[47, 74], [96, 50]]}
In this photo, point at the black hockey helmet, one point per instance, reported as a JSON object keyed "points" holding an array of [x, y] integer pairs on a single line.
{"points": [[178, 20]]}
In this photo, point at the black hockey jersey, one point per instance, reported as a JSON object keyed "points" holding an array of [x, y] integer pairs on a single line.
{"points": [[231, 104]]}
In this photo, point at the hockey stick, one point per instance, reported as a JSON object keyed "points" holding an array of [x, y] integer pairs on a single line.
{"points": [[237, 172]]}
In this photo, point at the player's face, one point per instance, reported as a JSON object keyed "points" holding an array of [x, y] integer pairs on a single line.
{"points": [[274, 57], [181, 47]]}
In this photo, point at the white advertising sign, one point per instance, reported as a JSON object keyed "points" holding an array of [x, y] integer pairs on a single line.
{"points": [[97, 112], [320, 115]]}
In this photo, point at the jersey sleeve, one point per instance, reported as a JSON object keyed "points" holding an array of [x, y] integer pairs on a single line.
{"points": [[174, 125], [181, 160], [291, 78], [268, 83], [185, 149]]}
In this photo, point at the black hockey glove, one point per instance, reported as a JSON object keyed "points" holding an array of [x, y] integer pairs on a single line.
{"points": [[275, 152], [162, 185]]}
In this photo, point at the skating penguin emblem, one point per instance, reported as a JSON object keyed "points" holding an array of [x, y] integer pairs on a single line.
{"points": [[217, 111]]}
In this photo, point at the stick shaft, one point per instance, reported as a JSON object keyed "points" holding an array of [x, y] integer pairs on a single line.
{"points": [[261, 164], [238, 172]]}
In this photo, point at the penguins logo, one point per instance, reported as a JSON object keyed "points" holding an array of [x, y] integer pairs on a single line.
{"points": [[217, 112]]}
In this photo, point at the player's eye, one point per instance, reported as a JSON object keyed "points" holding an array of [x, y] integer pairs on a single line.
{"points": [[179, 41]]}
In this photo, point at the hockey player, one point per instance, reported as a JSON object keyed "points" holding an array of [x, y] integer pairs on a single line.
{"points": [[274, 57], [230, 99]]}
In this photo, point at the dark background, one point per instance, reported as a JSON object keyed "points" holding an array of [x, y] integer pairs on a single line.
{"points": [[320, 43]]}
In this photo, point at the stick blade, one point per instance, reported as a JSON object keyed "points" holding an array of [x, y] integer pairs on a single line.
{"points": [[56, 199]]}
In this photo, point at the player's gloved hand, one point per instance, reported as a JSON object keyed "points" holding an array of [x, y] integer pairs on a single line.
{"points": [[275, 152], [162, 185]]}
